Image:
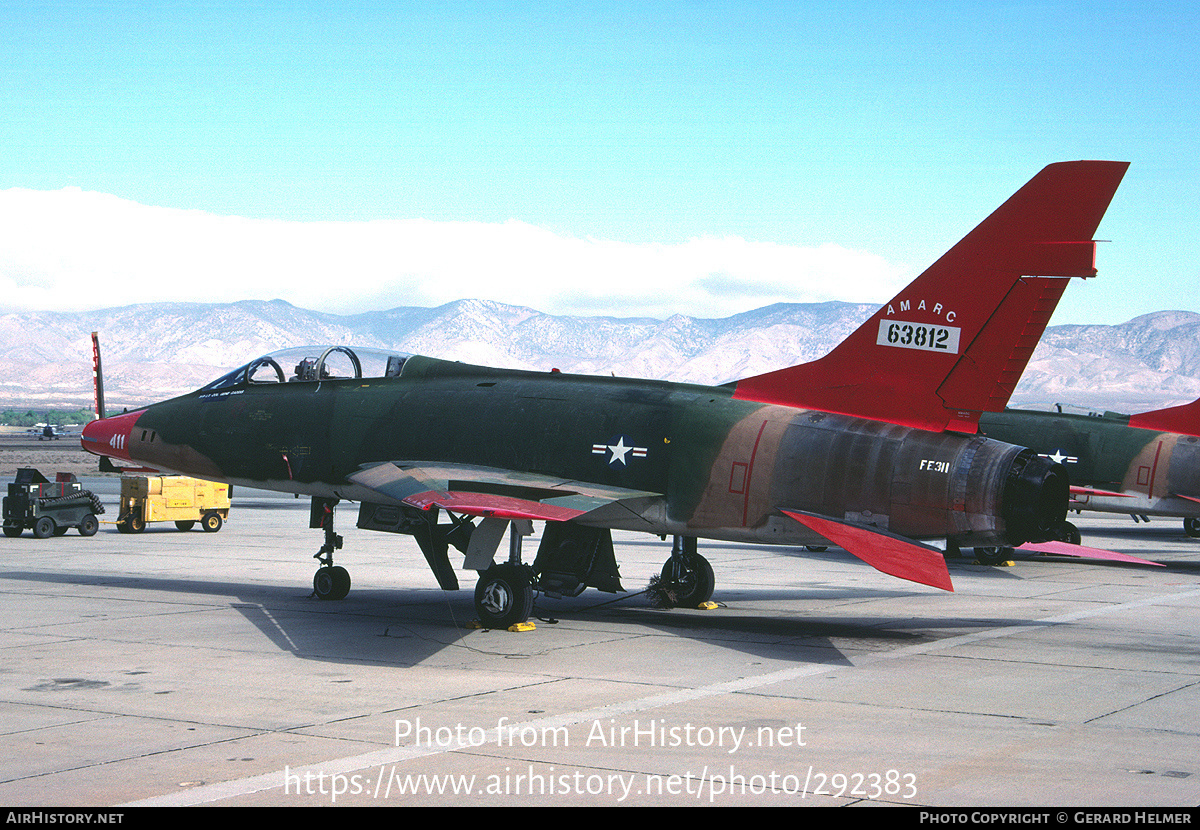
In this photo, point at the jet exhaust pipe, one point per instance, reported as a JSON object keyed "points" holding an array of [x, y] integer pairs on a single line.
{"points": [[1036, 492]]}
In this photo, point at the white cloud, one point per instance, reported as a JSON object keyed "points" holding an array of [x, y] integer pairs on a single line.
{"points": [[71, 249]]}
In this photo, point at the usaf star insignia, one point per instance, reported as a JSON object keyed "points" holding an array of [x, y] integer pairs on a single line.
{"points": [[621, 448]]}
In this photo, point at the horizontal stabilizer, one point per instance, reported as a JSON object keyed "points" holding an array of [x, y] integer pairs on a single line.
{"points": [[887, 552], [1084, 552], [1184, 419], [954, 342]]}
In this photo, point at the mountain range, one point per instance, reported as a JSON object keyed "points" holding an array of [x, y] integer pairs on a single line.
{"points": [[158, 350]]}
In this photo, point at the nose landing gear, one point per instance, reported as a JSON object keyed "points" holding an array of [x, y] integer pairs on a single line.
{"points": [[330, 581]]}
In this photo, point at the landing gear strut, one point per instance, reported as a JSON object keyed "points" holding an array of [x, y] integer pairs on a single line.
{"points": [[687, 577], [330, 581]]}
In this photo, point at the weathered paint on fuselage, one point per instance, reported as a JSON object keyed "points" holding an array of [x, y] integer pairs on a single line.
{"points": [[1154, 471], [724, 467]]}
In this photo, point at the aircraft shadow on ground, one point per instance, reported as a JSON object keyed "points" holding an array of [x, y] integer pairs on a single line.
{"points": [[405, 627], [298, 623]]}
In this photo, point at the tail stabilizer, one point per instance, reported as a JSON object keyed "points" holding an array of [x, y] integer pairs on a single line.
{"points": [[1184, 419], [954, 342], [1084, 552], [887, 552]]}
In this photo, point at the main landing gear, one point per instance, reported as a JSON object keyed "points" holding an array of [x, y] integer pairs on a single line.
{"points": [[570, 558], [993, 556], [503, 595], [1064, 531], [504, 592], [687, 578]]}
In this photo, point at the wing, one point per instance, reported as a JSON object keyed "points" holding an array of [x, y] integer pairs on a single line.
{"points": [[488, 491]]}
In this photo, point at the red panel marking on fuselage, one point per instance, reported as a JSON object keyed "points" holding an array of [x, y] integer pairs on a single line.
{"points": [[1154, 471], [749, 473]]}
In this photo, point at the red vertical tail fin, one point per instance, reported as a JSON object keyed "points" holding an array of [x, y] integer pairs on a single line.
{"points": [[954, 342]]}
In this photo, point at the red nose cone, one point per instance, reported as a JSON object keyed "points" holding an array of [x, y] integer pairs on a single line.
{"points": [[110, 436]]}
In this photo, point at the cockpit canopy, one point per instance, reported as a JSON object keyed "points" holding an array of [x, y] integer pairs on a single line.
{"points": [[314, 363]]}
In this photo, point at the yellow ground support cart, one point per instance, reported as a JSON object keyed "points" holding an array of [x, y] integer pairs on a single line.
{"points": [[178, 499]]}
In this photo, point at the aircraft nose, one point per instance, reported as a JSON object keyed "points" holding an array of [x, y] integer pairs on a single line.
{"points": [[110, 436]]}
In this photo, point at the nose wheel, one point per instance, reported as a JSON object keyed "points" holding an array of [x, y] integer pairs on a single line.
{"points": [[332, 582]]}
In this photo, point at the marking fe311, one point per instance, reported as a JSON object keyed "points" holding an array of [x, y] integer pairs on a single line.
{"points": [[873, 447]]}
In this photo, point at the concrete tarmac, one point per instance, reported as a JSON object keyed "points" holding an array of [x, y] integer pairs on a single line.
{"points": [[191, 668]]}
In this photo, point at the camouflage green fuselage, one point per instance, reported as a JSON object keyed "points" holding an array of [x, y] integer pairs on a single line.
{"points": [[1156, 473], [718, 467]]}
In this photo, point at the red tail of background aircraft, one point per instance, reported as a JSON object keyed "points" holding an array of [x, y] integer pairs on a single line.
{"points": [[1184, 419]]}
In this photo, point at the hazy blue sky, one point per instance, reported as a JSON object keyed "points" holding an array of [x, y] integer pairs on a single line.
{"points": [[883, 131]]}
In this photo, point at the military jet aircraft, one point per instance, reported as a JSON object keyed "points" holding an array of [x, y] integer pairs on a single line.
{"points": [[872, 447], [1143, 465]]}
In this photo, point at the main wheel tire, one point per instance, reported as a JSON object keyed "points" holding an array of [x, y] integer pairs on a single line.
{"points": [[504, 595], [88, 525], [1191, 526], [136, 524], [187, 525], [12, 531], [43, 528], [1064, 531], [211, 522], [331, 582], [689, 579], [993, 556]]}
